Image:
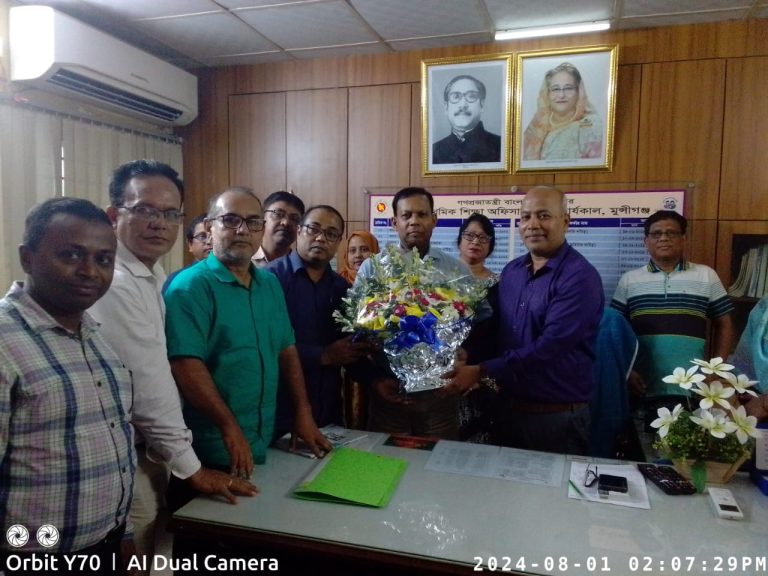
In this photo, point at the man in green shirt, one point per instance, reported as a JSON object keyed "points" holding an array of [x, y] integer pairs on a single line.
{"points": [[229, 336]]}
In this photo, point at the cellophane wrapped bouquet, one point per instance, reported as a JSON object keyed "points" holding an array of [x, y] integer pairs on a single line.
{"points": [[419, 314]]}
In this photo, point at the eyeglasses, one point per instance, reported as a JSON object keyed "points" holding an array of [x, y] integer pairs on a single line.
{"points": [[471, 96], [202, 237], [280, 215], [671, 234], [590, 476], [472, 237], [234, 222], [330, 234], [560, 90], [150, 214]]}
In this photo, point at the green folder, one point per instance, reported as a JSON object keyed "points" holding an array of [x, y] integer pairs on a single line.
{"points": [[350, 476]]}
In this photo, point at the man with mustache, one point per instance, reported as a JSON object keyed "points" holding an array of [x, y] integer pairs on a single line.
{"points": [[427, 413], [550, 306], [464, 99], [312, 292]]}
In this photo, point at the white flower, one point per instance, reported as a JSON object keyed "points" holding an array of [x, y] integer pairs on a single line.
{"points": [[685, 379], [741, 383], [714, 366], [666, 419], [713, 393], [716, 422], [746, 426]]}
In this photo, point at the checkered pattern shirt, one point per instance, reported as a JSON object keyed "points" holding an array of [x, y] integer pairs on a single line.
{"points": [[66, 442]]}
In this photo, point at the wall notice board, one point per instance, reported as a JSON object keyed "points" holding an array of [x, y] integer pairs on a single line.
{"points": [[606, 227]]}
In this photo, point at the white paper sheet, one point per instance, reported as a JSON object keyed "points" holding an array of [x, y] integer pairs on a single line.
{"points": [[635, 497], [496, 462]]}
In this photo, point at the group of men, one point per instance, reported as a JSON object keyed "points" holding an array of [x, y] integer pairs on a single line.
{"points": [[92, 421]]}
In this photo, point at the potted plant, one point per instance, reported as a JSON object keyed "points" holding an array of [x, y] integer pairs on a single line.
{"points": [[707, 442]]}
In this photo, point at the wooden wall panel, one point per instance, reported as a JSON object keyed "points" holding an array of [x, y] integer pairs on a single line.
{"points": [[730, 39], [702, 241], [317, 153], [206, 143], [624, 137], [681, 124], [744, 194], [257, 149], [379, 142]]}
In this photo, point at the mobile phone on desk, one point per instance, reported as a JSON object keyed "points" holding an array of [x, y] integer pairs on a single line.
{"points": [[607, 483]]}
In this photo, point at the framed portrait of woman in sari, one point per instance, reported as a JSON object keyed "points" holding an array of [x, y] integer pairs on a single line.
{"points": [[565, 104], [465, 114]]}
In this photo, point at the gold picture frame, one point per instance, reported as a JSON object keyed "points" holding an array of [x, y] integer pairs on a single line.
{"points": [[565, 103], [470, 135]]}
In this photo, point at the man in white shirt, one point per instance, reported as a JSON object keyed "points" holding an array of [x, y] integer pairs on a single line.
{"points": [[146, 198]]}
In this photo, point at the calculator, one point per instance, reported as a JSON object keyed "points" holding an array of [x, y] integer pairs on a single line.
{"points": [[667, 479]]}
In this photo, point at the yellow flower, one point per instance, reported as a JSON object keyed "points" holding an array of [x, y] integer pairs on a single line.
{"points": [[414, 311], [435, 312]]}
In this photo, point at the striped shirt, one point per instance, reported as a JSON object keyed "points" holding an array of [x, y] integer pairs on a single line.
{"points": [[66, 443], [669, 313]]}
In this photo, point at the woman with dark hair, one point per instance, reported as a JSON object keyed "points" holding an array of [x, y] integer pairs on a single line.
{"points": [[476, 241]]}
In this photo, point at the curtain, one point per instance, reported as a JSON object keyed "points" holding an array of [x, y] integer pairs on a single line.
{"points": [[92, 152], [30, 172], [44, 155]]}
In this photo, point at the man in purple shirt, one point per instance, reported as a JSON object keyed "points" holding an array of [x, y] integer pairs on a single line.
{"points": [[550, 304]]}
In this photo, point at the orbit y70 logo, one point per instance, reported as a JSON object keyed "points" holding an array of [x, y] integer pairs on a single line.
{"points": [[17, 535]]}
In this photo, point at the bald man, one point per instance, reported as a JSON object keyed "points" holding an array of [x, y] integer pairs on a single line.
{"points": [[550, 305]]}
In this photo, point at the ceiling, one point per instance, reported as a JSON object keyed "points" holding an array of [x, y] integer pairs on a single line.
{"points": [[209, 33]]}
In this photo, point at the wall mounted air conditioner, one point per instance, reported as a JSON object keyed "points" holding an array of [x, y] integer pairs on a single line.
{"points": [[57, 53]]}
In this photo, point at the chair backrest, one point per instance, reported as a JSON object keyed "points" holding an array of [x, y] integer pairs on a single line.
{"points": [[615, 350]]}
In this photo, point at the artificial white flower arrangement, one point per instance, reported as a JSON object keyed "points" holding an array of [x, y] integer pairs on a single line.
{"points": [[717, 430]]}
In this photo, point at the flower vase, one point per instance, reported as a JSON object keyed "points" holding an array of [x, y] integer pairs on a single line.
{"points": [[703, 472]]}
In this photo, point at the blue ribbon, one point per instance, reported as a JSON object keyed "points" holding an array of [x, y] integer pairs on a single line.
{"points": [[414, 330]]}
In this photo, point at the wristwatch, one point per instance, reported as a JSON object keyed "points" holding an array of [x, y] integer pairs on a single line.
{"points": [[486, 381]]}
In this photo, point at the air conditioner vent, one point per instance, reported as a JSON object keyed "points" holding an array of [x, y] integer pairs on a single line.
{"points": [[56, 53], [105, 93]]}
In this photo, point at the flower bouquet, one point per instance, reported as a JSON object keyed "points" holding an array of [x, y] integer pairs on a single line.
{"points": [[420, 315], [715, 435]]}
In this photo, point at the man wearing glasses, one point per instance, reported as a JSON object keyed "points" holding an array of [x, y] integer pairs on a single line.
{"points": [[463, 100], [198, 244], [668, 303], [145, 209], [229, 337], [282, 215], [312, 292]]}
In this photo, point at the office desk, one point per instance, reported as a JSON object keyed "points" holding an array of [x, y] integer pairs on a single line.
{"points": [[447, 523]]}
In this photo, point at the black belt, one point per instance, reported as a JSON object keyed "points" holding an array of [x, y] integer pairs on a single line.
{"points": [[546, 407]]}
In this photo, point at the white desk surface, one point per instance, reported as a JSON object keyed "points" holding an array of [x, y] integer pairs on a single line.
{"points": [[456, 519]]}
